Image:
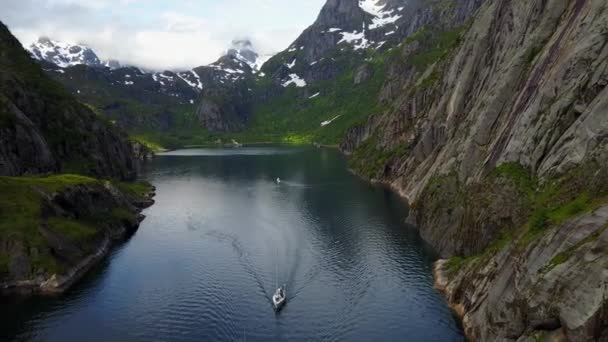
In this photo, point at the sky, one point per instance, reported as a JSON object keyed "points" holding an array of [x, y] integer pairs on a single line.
{"points": [[161, 34]]}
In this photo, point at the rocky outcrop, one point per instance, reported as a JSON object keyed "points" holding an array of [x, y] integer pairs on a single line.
{"points": [[496, 131], [43, 129], [556, 285], [76, 226]]}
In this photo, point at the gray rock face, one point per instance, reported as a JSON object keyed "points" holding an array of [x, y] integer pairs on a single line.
{"points": [[557, 283], [526, 84], [364, 73]]}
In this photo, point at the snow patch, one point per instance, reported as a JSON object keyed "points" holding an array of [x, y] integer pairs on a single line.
{"points": [[357, 39], [292, 64], [315, 95], [295, 79], [334, 29], [325, 123], [381, 16]]}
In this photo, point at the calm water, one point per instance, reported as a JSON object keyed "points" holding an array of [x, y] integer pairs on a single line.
{"points": [[203, 265]]}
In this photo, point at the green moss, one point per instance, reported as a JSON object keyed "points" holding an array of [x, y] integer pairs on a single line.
{"points": [[21, 200], [20, 212], [21, 216], [455, 264], [547, 215], [519, 175], [138, 189], [77, 231], [121, 214]]}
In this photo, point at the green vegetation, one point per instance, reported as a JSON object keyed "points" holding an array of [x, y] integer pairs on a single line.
{"points": [[456, 263], [519, 175], [567, 254], [76, 231], [21, 216], [121, 214], [145, 141], [137, 189], [437, 46], [369, 160], [551, 204], [294, 118], [20, 211], [548, 214]]}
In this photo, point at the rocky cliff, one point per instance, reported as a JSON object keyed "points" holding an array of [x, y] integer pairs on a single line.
{"points": [[55, 228], [496, 129], [44, 129]]}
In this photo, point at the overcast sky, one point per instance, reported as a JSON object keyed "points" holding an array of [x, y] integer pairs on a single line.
{"points": [[161, 34]]}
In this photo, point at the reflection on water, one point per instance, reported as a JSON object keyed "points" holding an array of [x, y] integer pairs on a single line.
{"points": [[223, 234]]}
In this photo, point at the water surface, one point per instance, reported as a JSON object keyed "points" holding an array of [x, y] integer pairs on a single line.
{"points": [[223, 234]]}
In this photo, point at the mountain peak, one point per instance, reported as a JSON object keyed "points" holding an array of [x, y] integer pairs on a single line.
{"points": [[243, 50], [65, 54]]}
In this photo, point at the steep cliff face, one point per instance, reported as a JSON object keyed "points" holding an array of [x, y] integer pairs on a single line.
{"points": [[44, 129], [497, 132]]}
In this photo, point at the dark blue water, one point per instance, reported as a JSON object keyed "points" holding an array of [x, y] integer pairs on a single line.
{"points": [[205, 262]]}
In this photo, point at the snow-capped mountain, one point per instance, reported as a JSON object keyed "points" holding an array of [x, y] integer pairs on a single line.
{"points": [[242, 49], [342, 26], [64, 54]]}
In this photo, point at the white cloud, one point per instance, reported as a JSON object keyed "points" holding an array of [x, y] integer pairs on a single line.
{"points": [[158, 34]]}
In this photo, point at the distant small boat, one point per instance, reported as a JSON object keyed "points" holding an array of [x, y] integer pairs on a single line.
{"points": [[278, 180], [279, 298]]}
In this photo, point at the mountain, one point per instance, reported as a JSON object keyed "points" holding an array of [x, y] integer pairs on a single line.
{"points": [[329, 78], [45, 129], [65, 54], [150, 101], [54, 227], [242, 49]]}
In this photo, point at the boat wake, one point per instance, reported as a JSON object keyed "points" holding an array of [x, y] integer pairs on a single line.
{"points": [[244, 260], [293, 290]]}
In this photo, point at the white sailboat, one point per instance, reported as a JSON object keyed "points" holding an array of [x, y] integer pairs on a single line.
{"points": [[280, 296]]}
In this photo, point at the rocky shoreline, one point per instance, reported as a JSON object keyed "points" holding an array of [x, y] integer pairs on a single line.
{"points": [[78, 201]]}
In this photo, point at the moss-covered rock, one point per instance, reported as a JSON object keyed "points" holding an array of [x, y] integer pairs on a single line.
{"points": [[58, 226]]}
